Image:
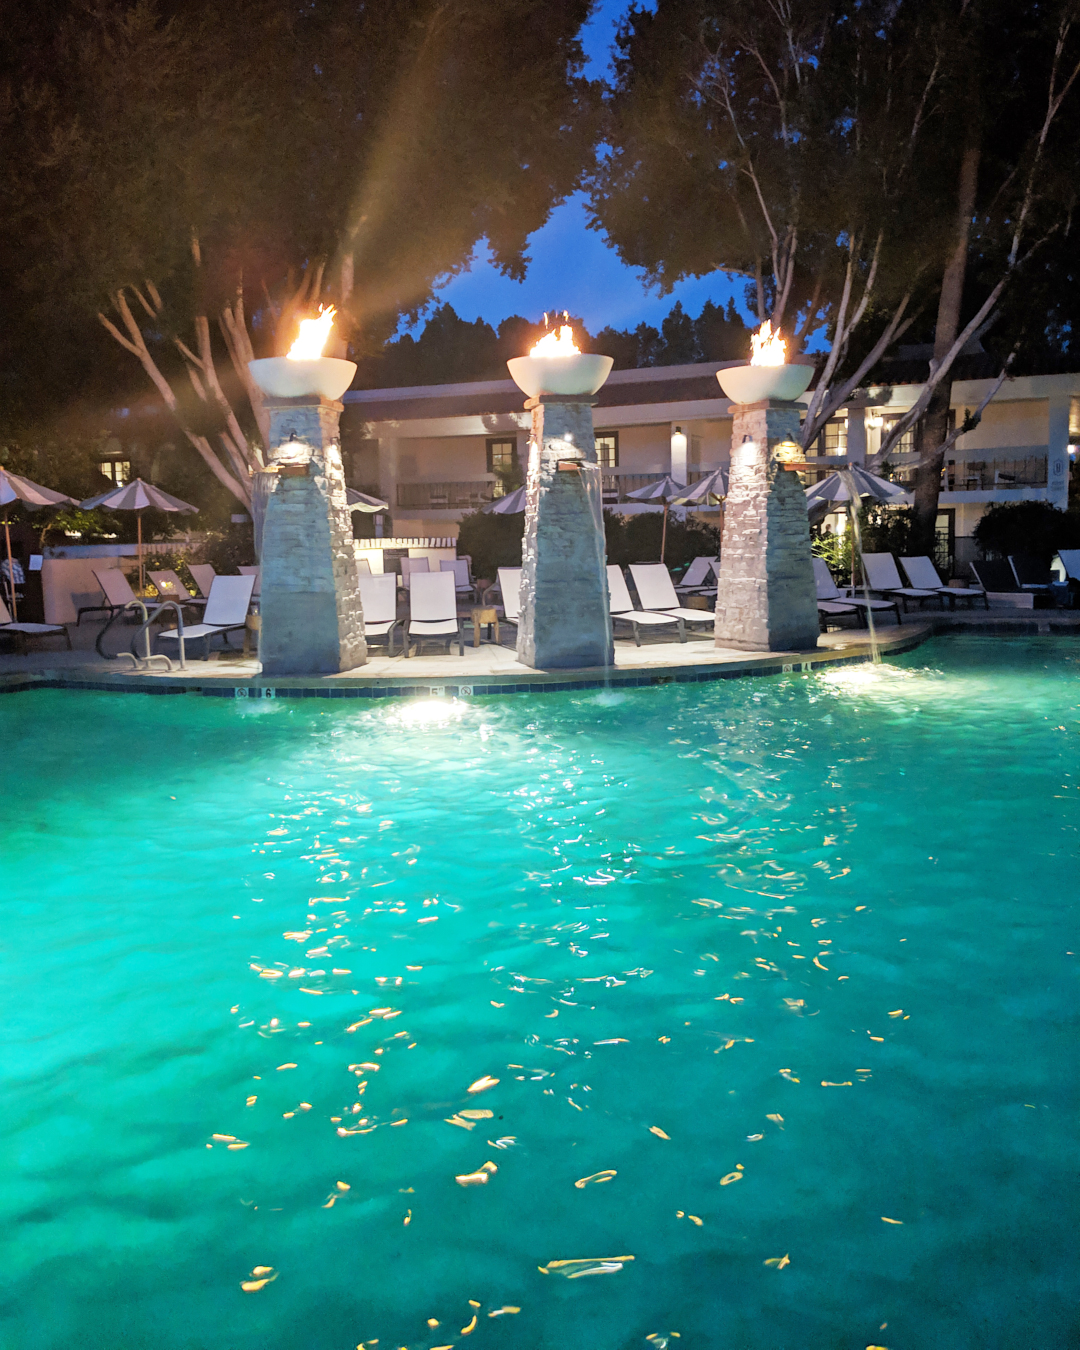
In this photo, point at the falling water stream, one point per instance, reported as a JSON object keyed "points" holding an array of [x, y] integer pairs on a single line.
{"points": [[592, 479], [853, 511]]}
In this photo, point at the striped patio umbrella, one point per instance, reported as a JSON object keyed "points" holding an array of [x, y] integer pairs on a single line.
{"points": [[848, 487], [138, 496], [714, 484], [510, 505], [360, 501], [15, 488], [664, 490]]}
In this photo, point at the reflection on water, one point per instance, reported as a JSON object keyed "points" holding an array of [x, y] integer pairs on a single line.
{"points": [[408, 1023]]}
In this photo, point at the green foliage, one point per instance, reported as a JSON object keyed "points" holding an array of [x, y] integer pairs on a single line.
{"points": [[884, 529], [491, 541], [495, 541], [450, 350], [227, 549], [1027, 527]]}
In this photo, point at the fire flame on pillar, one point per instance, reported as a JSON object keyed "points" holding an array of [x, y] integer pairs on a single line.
{"points": [[313, 336], [767, 348], [556, 343]]}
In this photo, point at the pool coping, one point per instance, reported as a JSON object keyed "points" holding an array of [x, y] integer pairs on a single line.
{"points": [[752, 665]]}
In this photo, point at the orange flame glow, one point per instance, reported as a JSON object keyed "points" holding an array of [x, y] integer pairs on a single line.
{"points": [[556, 343], [313, 336], [767, 348]]}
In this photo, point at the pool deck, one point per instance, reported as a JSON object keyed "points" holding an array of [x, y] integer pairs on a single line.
{"points": [[494, 669]]}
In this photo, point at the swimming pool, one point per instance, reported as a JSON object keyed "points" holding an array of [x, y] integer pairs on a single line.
{"points": [[776, 977]]}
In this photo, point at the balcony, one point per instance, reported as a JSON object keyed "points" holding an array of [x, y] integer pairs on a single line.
{"points": [[465, 496], [989, 475]]}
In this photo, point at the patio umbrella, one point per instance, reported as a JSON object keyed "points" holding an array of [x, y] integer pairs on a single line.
{"points": [[137, 496], [714, 484], [849, 487], [15, 488], [510, 505], [664, 490], [360, 501]]}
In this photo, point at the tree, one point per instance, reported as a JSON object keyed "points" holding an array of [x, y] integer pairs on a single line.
{"points": [[852, 159], [200, 175]]}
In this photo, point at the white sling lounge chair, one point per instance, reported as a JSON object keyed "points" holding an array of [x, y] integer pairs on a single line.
{"points": [[226, 610], [699, 577], [463, 582], [510, 586], [433, 610], [378, 595], [117, 591], [922, 574], [410, 567], [831, 602], [255, 572], [203, 576], [884, 577], [656, 592], [623, 611], [23, 632]]}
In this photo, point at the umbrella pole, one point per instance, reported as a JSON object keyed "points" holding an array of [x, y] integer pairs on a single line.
{"points": [[663, 534], [11, 570], [142, 579]]}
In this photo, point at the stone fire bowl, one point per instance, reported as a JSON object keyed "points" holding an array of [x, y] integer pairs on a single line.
{"points": [[751, 384], [580, 374], [281, 378]]}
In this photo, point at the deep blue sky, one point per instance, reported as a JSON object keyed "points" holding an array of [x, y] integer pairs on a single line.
{"points": [[574, 268]]}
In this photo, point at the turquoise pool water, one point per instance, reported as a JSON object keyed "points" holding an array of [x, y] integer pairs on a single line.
{"points": [[792, 958]]}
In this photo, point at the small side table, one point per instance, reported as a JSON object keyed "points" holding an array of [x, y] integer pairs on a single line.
{"points": [[251, 625], [481, 615]]}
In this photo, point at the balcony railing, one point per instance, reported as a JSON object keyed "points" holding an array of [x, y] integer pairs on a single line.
{"points": [[989, 475], [465, 496]]}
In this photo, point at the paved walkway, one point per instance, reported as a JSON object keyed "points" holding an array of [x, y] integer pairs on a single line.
{"points": [[493, 668]]}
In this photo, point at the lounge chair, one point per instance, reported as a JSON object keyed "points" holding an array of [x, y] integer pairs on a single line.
{"points": [[832, 604], [363, 567], [656, 592], [883, 576], [998, 581], [623, 611], [23, 632], [433, 611], [378, 595], [255, 572], [117, 591], [409, 568], [922, 573], [699, 577], [170, 587], [1030, 573], [1070, 563], [463, 582], [203, 576], [226, 610], [510, 589]]}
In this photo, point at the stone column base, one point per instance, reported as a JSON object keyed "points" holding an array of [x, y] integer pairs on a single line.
{"points": [[766, 598]]}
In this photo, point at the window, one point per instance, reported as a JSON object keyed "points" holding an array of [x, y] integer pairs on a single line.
{"points": [[906, 444], [502, 455], [117, 471], [607, 449], [833, 438]]}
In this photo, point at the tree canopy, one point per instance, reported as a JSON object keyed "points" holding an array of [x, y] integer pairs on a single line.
{"points": [[175, 156]]}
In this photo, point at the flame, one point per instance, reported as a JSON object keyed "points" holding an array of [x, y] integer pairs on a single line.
{"points": [[766, 347], [313, 336], [560, 343]]}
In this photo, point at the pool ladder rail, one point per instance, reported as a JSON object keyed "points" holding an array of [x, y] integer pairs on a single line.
{"points": [[146, 662]]}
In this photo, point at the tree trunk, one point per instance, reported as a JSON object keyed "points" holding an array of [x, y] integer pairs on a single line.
{"points": [[933, 427]]}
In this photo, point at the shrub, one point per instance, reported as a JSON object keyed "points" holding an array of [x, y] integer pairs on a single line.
{"points": [[491, 541], [1027, 527], [226, 550]]}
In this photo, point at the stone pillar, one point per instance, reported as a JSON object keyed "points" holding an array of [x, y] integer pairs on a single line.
{"points": [[565, 616], [312, 622], [767, 600]]}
